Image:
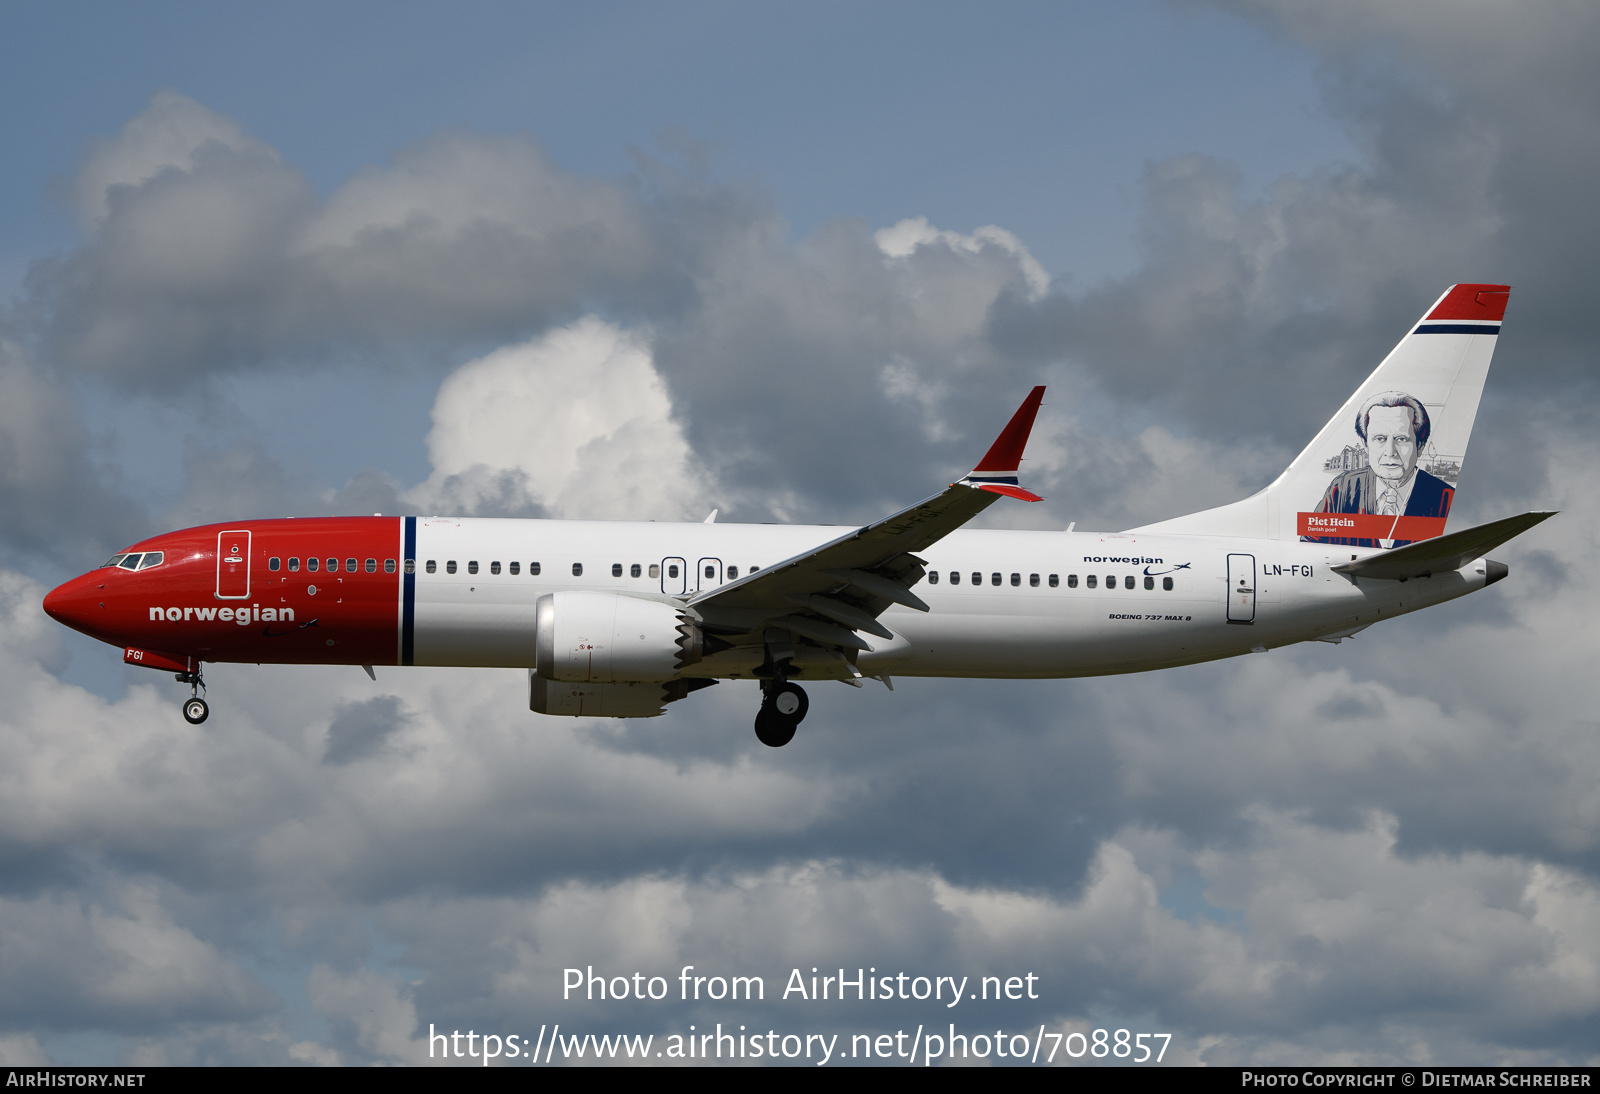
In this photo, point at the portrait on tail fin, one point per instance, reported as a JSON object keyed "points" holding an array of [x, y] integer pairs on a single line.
{"points": [[1389, 499]]}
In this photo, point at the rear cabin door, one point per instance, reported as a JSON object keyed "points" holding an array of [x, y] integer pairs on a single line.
{"points": [[233, 565], [1241, 588]]}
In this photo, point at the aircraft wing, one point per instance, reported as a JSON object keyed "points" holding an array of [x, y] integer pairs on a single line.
{"points": [[829, 593], [1441, 555]]}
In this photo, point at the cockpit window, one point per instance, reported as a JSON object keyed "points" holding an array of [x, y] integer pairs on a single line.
{"points": [[130, 562], [151, 558], [115, 560]]}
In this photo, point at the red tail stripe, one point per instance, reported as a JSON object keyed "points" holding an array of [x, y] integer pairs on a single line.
{"points": [[1473, 302], [1006, 452]]}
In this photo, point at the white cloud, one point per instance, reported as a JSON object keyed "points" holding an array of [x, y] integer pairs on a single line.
{"points": [[168, 135], [576, 422], [901, 240]]}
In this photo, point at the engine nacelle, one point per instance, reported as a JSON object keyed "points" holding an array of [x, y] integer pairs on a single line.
{"points": [[637, 700], [604, 638], [575, 700]]}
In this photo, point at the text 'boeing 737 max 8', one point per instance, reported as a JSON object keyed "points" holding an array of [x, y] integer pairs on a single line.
{"points": [[619, 619]]}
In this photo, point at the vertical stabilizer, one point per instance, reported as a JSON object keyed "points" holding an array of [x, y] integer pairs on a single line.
{"points": [[1383, 471]]}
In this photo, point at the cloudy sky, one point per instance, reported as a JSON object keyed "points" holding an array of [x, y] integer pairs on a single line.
{"points": [[796, 262]]}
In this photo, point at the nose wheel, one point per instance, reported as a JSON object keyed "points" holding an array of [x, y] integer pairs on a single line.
{"points": [[783, 708], [195, 709]]}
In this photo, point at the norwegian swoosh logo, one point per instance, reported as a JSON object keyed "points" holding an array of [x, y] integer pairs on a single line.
{"points": [[267, 630], [1158, 573]]}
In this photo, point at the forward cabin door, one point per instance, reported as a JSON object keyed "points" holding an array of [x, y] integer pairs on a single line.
{"points": [[1241, 588], [233, 565]]}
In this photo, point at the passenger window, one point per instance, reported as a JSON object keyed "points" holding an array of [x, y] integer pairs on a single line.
{"points": [[616, 569], [533, 569], [472, 567], [955, 577], [1016, 579], [672, 571], [994, 579], [433, 567], [753, 569], [1033, 581], [1111, 581], [411, 565], [1166, 583], [311, 565], [350, 566], [151, 558], [514, 568], [494, 567], [635, 570], [1127, 582], [1072, 580], [450, 567], [711, 571], [333, 565], [733, 572], [388, 565], [1055, 580], [655, 569], [1090, 581], [577, 569], [272, 563], [933, 577], [977, 578], [372, 565], [1149, 583], [294, 564]]}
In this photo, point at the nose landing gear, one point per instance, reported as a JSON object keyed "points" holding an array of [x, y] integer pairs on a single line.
{"points": [[195, 709], [783, 708]]}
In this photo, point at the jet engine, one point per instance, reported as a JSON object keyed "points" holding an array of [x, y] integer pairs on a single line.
{"points": [[604, 638]]}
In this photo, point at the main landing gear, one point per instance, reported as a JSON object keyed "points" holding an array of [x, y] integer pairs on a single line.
{"points": [[783, 708], [195, 709]]}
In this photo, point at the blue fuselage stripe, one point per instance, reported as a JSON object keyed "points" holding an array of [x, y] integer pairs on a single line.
{"points": [[408, 603]]}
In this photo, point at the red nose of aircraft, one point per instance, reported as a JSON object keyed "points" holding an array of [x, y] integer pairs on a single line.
{"points": [[79, 603]]}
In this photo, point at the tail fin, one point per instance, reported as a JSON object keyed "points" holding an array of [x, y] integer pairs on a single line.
{"points": [[1383, 471]]}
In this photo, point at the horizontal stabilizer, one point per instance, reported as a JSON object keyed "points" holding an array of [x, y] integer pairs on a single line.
{"points": [[1441, 555]]}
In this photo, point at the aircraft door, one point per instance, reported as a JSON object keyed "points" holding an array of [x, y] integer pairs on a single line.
{"points": [[708, 573], [674, 576], [233, 565], [1241, 588]]}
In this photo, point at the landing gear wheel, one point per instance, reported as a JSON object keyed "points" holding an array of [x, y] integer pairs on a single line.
{"points": [[782, 711], [195, 711], [790, 701], [772, 728]]}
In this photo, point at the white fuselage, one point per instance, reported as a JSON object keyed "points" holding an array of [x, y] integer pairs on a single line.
{"points": [[1276, 592]]}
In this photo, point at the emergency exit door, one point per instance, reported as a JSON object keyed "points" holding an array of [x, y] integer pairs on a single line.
{"points": [[674, 576]]}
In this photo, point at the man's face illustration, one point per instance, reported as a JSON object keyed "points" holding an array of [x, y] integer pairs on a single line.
{"points": [[1391, 443]]}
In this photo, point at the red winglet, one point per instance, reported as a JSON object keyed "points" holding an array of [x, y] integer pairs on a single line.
{"points": [[1006, 452], [1487, 302], [1009, 491]]}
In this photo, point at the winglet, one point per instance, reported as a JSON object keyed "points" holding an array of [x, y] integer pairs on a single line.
{"points": [[997, 471]]}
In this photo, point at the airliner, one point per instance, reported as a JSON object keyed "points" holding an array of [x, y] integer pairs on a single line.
{"points": [[618, 619]]}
